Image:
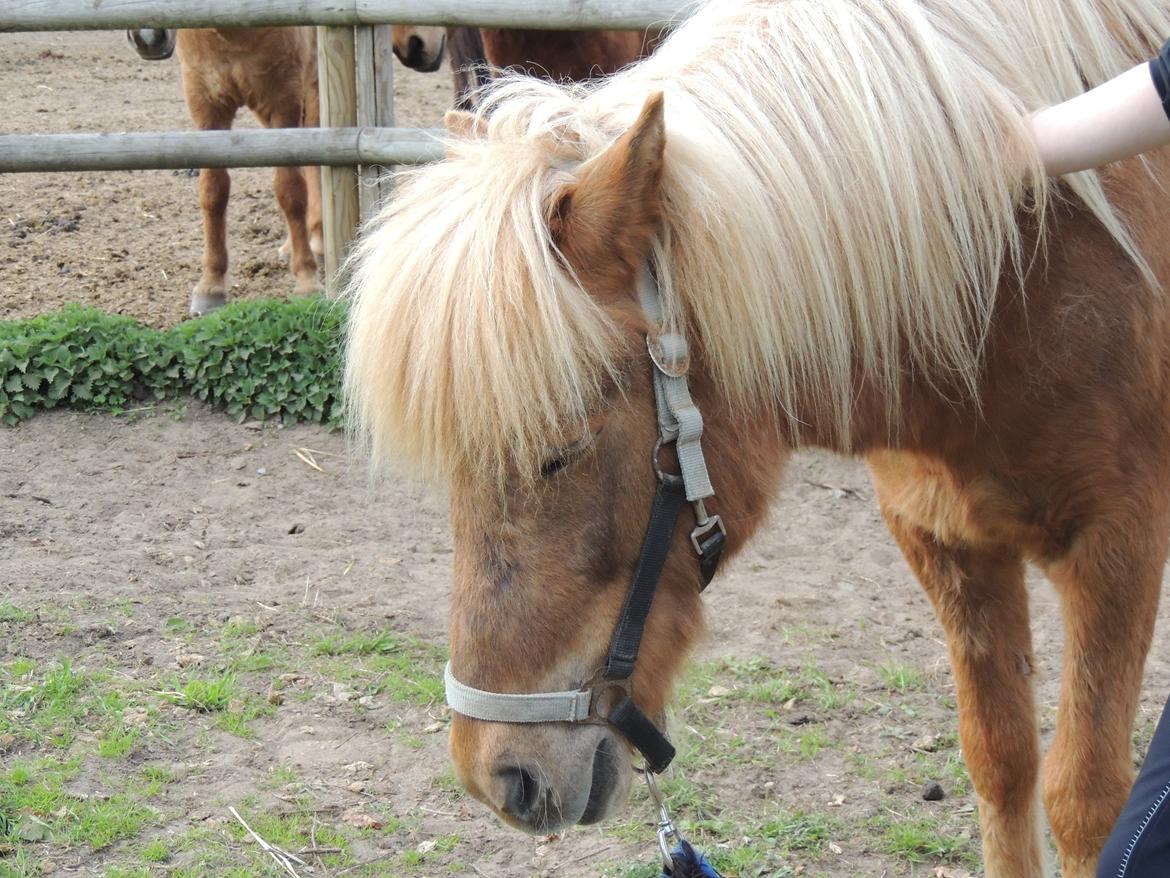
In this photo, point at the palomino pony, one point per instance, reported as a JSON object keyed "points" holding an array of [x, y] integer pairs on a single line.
{"points": [[839, 207], [273, 72]]}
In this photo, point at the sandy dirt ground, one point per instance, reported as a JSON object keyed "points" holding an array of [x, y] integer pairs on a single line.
{"points": [[130, 242], [147, 550]]}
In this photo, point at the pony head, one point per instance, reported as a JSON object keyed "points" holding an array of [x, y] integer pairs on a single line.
{"points": [[420, 48], [499, 344], [152, 44]]}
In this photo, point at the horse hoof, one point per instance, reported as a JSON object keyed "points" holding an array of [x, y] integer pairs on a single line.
{"points": [[308, 286], [205, 303]]}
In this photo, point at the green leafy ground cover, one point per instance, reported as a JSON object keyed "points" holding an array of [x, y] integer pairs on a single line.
{"points": [[257, 358]]}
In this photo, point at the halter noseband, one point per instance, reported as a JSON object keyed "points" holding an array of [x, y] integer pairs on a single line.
{"points": [[680, 423]]}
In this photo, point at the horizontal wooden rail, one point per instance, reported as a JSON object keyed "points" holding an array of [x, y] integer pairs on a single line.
{"points": [[54, 15], [271, 147]]}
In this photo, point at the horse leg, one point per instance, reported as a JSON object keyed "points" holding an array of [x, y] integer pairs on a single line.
{"points": [[292, 194], [979, 596], [210, 293], [1109, 586], [316, 228], [313, 172], [215, 186]]}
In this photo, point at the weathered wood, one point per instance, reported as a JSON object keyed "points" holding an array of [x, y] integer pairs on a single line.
{"points": [[375, 107], [46, 15], [258, 148], [336, 71]]}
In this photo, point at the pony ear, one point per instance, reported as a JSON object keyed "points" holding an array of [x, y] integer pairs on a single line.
{"points": [[460, 123], [603, 223]]}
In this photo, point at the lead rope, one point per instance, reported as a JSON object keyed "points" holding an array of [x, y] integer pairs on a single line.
{"points": [[679, 858]]}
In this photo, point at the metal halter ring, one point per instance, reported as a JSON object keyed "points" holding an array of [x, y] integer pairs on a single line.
{"points": [[598, 686], [658, 473]]}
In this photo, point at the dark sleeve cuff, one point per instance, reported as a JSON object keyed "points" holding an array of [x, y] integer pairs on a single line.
{"points": [[1160, 72]]}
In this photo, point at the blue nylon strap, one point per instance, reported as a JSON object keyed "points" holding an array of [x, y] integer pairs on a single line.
{"points": [[1160, 73]]}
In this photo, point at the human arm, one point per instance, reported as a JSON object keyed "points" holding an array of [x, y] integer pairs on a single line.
{"points": [[1122, 118]]}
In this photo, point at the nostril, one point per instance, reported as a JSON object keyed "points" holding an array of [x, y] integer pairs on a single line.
{"points": [[414, 47], [521, 792]]}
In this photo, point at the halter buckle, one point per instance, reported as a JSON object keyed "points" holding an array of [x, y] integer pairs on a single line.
{"points": [[597, 686], [705, 525]]}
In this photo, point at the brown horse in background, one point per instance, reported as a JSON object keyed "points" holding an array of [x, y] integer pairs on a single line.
{"points": [[551, 54], [273, 72], [423, 48]]}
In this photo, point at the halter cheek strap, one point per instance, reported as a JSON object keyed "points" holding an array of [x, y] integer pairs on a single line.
{"points": [[680, 423]]}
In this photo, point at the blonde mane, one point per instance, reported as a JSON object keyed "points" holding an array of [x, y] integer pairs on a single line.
{"points": [[843, 185]]}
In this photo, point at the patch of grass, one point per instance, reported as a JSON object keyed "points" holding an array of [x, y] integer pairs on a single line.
{"points": [[177, 625], [447, 781], [760, 847], [22, 667], [759, 681], [812, 741], [153, 779], [823, 691], [238, 628], [291, 832], [36, 792], [55, 693], [359, 643], [280, 775], [117, 742], [923, 840], [237, 720], [204, 694], [54, 707], [102, 823], [414, 742], [12, 614], [899, 678], [250, 663], [156, 851], [444, 844], [401, 667]]}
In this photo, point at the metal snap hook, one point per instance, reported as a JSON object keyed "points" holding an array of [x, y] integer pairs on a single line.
{"points": [[667, 832]]}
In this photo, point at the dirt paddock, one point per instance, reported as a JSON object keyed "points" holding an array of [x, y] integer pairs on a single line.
{"points": [[198, 615]]}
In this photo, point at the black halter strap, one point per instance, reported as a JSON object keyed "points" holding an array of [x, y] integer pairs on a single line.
{"points": [[627, 718]]}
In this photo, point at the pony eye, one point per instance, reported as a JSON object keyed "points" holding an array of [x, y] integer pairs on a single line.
{"points": [[550, 468], [559, 458]]}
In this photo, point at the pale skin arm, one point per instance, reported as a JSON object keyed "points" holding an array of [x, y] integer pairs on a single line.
{"points": [[1117, 120]]}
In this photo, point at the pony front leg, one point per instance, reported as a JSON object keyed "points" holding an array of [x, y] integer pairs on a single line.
{"points": [[1109, 585], [293, 197], [215, 186], [979, 596], [316, 226]]}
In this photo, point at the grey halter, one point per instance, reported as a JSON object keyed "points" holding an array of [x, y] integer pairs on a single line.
{"points": [[679, 422]]}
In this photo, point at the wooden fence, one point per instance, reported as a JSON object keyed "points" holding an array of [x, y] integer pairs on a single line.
{"points": [[357, 137], [34, 15]]}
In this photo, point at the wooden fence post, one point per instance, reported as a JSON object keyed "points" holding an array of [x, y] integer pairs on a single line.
{"points": [[337, 73], [375, 107]]}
